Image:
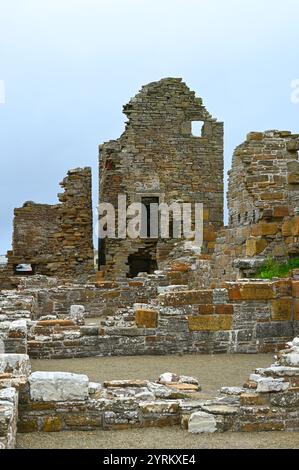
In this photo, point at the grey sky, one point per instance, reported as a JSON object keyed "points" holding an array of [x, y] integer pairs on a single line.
{"points": [[70, 65]]}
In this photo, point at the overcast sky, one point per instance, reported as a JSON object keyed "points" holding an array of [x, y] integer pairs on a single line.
{"points": [[69, 66]]}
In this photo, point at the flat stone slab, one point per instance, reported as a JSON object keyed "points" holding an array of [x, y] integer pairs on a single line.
{"points": [[232, 390], [16, 364], [125, 383], [279, 371], [220, 409], [267, 384], [201, 422], [58, 386]]}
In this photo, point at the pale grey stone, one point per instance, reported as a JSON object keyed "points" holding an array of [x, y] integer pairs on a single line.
{"points": [[201, 422], [58, 386]]}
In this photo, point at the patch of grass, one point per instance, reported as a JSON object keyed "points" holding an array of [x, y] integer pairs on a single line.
{"points": [[272, 268]]}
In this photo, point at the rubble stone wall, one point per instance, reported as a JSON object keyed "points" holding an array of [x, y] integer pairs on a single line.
{"points": [[58, 401], [242, 317], [157, 156], [56, 240], [263, 203]]}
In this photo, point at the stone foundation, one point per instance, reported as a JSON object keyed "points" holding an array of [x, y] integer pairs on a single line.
{"points": [[58, 401]]}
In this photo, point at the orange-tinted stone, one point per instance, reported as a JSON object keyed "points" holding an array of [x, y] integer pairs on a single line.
{"points": [[296, 309], [210, 322], [281, 211], [256, 291], [234, 293], [146, 318], [56, 323], [295, 289], [209, 235], [224, 309], [286, 228], [208, 309], [52, 424], [263, 426], [264, 229], [255, 246], [282, 309]]}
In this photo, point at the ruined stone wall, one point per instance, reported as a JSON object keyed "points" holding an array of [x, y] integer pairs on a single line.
{"points": [[263, 201], [57, 239], [74, 238], [242, 317], [268, 401], [157, 156], [59, 401], [34, 227]]}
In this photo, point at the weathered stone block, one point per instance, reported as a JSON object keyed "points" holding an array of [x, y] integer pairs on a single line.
{"points": [[16, 364], [282, 309], [146, 318], [274, 330], [201, 422], [210, 322], [254, 136], [268, 385], [224, 309], [281, 211], [58, 386], [255, 246], [188, 297], [263, 426], [52, 424], [253, 399], [18, 329], [264, 229], [257, 291]]}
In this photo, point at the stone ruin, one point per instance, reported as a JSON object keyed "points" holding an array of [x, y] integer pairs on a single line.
{"points": [[58, 401], [158, 159], [56, 240], [157, 296]]}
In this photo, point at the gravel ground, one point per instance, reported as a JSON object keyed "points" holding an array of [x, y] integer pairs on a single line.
{"points": [[212, 371], [165, 438]]}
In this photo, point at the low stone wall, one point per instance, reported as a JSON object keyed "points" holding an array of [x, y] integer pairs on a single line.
{"points": [[99, 301], [14, 372], [269, 400], [8, 417], [58, 401], [16, 311], [243, 317]]}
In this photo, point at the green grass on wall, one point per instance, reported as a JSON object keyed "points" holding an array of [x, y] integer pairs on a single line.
{"points": [[272, 268]]}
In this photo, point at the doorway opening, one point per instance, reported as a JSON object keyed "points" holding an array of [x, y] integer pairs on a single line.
{"points": [[141, 263]]}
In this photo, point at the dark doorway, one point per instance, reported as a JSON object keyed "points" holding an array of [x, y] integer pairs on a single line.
{"points": [[141, 264], [146, 222]]}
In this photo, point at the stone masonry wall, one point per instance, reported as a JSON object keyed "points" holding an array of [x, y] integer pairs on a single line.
{"points": [[157, 156], [242, 317], [57, 239], [268, 401], [263, 203]]}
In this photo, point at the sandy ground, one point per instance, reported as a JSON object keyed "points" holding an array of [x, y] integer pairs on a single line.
{"points": [[212, 371], [166, 438]]}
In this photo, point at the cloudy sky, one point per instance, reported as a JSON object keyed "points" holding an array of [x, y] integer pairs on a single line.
{"points": [[68, 66]]}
